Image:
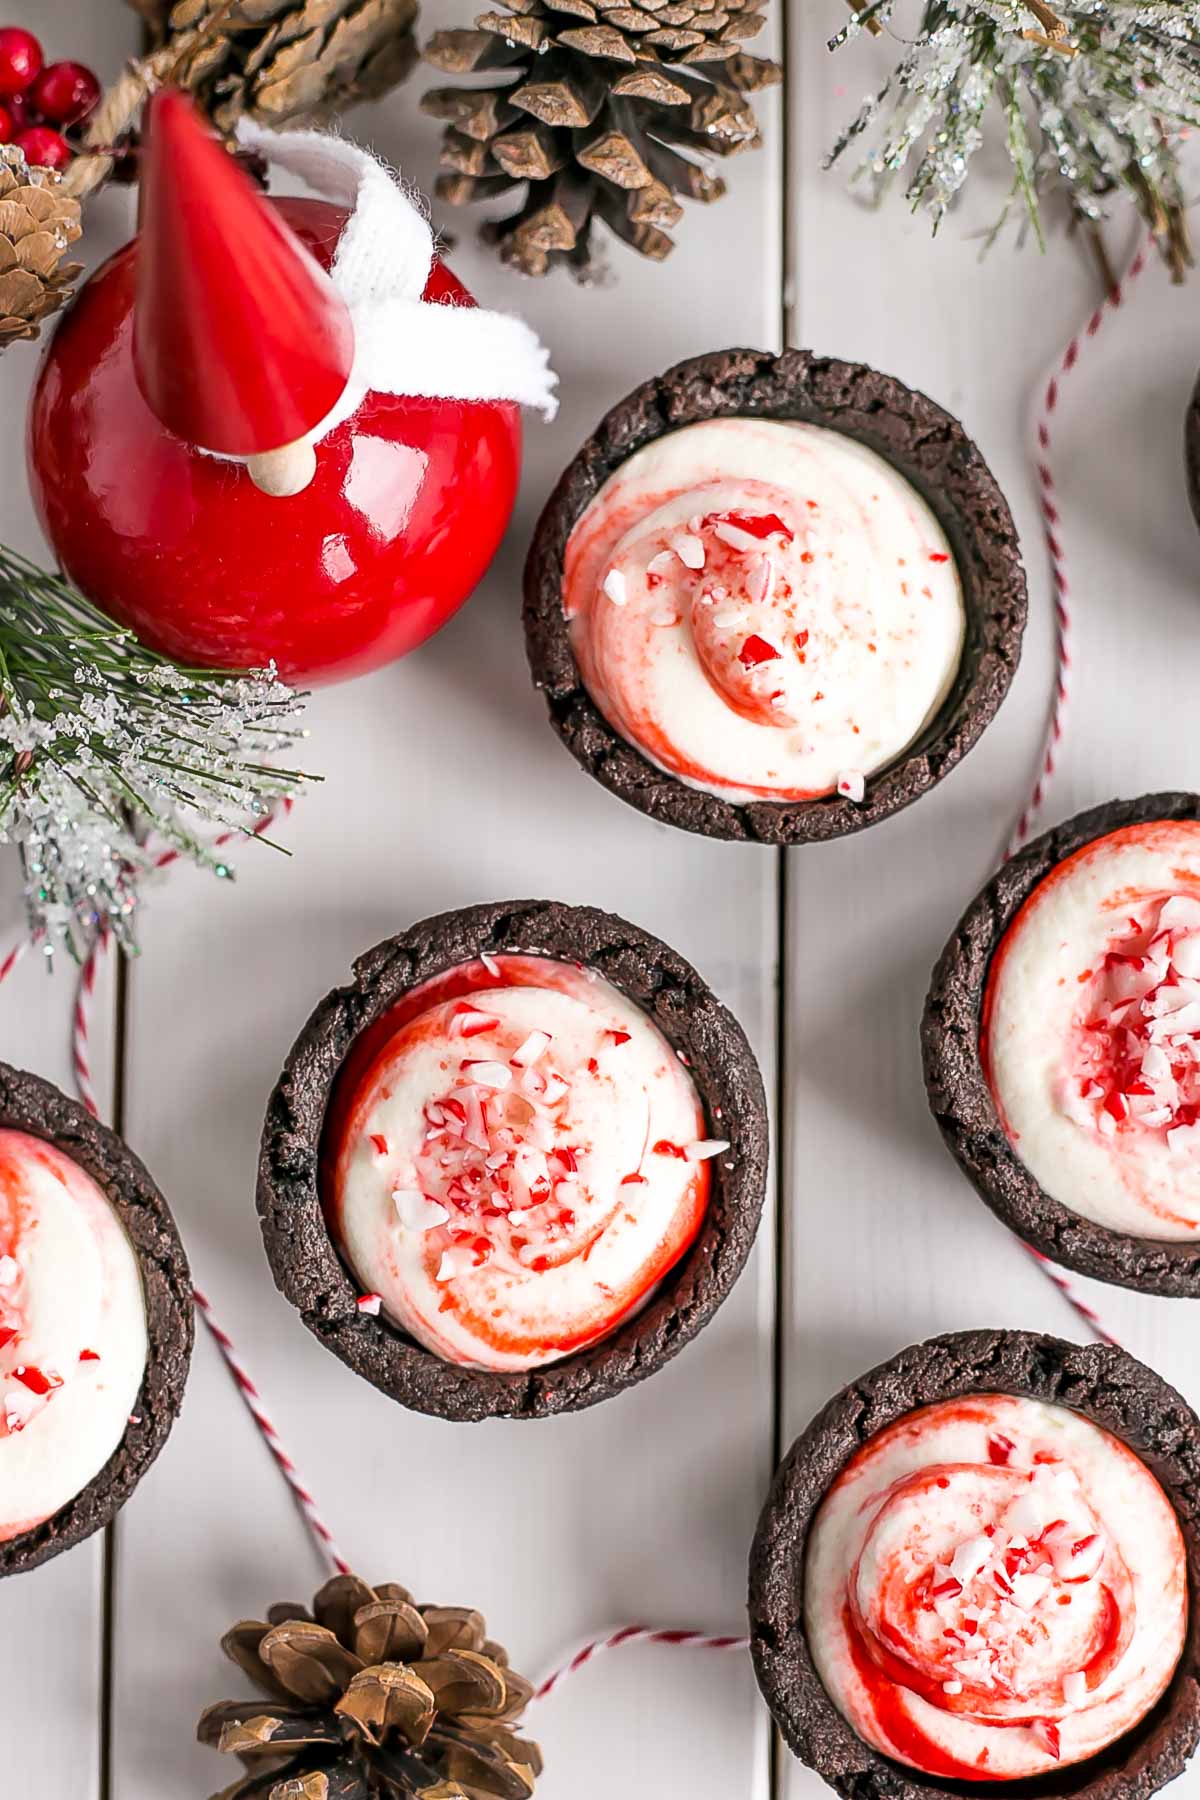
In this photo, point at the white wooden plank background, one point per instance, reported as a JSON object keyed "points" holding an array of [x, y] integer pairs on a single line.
{"points": [[885, 1242], [642, 1508]]}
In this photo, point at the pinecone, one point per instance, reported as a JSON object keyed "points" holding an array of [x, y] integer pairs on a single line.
{"points": [[600, 106], [373, 1698], [37, 223], [283, 61]]}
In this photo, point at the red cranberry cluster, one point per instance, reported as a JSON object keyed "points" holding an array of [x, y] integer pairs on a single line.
{"points": [[39, 101]]}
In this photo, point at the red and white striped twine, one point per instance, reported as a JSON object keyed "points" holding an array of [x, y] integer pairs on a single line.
{"points": [[1048, 495], [252, 1399], [1060, 590], [628, 1635], [635, 1634]]}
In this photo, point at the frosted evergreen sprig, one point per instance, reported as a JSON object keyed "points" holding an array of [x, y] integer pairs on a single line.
{"points": [[110, 753], [1092, 96]]}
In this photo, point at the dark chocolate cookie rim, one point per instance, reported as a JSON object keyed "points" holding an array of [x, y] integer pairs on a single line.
{"points": [[1191, 450], [29, 1104], [925, 444], [1099, 1381], [957, 1087], [306, 1264]]}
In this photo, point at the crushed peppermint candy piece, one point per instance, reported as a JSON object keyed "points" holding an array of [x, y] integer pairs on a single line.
{"points": [[970, 1557], [662, 564], [614, 586], [455, 1261], [535, 1045], [1075, 1688], [468, 1022], [20, 1405], [489, 963], [852, 785], [416, 1212], [704, 1148], [689, 549], [760, 583], [491, 1074], [756, 650], [734, 537], [369, 1304]]}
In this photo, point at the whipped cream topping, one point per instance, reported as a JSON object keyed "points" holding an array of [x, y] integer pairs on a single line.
{"points": [[1091, 1031], [767, 610], [520, 1160], [73, 1342], [994, 1587]]}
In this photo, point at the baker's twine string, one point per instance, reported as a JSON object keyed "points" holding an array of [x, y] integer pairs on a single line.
{"points": [[625, 1636], [1051, 522], [1063, 368]]}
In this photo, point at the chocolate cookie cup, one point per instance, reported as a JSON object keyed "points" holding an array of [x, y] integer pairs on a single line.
{"points": [[33, 1106], [960, 1096], [1109, 1388], [925, 445], [1191, 450], [306, 1262]]}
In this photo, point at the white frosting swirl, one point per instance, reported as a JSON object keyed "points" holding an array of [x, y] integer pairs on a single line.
{"points": [[766, 610], [520, 1164], [73, 1341], [994, 1587], [1091, 1031]]}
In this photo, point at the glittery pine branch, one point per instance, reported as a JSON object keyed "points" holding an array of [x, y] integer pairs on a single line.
{"points": [[1092, 95], [110, 754]]}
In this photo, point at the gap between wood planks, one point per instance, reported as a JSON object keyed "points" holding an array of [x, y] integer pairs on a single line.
{"points": [[123, 978], [108, 1567], [789, 327]]}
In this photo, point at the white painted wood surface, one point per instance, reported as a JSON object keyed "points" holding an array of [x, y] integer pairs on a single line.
{"points": [[643, 1508], [885, 1242]]}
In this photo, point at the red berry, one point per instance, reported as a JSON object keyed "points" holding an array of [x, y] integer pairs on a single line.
{"points": [[65, 93], [43, 148], [21, 112], [20, 59], [6, 126]]}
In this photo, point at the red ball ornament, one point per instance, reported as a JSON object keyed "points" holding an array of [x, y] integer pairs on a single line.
{"points": [[65, 93], [20, 59], [408, 503], [43, 148], [6, 126]]}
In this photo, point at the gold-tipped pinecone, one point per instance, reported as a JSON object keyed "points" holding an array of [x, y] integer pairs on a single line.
{"points": [[371, 1697], [605, 108], [38, 223], [283, 61]]}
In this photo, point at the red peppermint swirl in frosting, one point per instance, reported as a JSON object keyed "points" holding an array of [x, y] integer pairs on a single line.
{"points": [[995, 1586], [766, 609], [516, 1158], [1091, 1030], [73, 1341]]}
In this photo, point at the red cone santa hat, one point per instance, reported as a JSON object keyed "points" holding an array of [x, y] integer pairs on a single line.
{"points": [[241, 342]]}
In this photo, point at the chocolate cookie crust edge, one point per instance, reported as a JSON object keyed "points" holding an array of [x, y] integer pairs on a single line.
{"points": [[961, 1100], [1191, 450], [29, 1104], [1105, 1385], [925, 444], [304, 1259]]}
